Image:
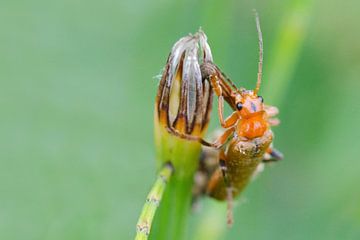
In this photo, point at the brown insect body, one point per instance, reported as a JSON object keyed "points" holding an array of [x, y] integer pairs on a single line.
{"points": [[246, 149], [248, 129], [246, 141], [241, 159]]}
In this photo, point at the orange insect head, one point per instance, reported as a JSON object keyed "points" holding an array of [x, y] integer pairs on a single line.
{"points": [[252, 116]]}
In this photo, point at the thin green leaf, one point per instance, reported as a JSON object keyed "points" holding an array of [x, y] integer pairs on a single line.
{"points": [[153, 200]]}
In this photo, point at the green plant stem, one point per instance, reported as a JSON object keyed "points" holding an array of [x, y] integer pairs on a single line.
{"points": [[152, 202], [171, 218]]}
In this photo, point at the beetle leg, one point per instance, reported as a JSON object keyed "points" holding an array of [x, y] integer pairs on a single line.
{"points": [[233, 118], [222, 139], [229, 191], [272, 155], [185, 136], [271, 111], [273, 121], [219, 142]]}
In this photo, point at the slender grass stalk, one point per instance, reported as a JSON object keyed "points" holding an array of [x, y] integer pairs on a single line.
{"points": [[153, 200], [171, 219], [288, 44]]}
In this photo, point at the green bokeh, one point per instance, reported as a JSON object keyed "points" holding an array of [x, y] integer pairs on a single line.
{"points": [[77, 90]]}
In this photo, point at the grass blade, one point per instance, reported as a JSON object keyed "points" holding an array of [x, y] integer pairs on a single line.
{"points": [[153, 200]]}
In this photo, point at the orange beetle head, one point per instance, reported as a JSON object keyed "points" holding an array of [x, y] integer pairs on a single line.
{"points": [[250, 108]]}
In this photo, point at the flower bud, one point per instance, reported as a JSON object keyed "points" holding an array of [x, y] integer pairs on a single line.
{"points": [[184, 98], [183, 105]]}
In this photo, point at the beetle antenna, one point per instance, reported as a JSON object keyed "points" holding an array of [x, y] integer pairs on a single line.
{"points": [[261, 51]]}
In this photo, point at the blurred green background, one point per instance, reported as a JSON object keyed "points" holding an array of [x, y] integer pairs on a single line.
{"points": [[76, 97]]}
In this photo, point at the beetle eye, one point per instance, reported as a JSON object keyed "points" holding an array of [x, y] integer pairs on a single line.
{"points": [[239, 106], [261, 98]]}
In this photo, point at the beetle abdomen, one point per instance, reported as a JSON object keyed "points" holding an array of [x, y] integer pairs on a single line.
{"points": [[241, 161]]}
